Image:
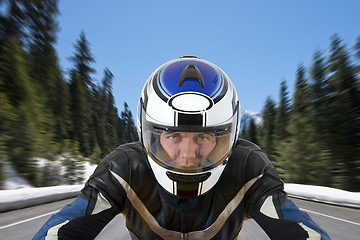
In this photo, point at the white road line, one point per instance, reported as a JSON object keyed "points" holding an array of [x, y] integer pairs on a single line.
{"points": [[26, 220], [324, 215], [50, 213]]}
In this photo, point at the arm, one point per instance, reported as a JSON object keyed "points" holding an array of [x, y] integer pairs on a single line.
{"points": [[91, 211], [72, 223], [268, 205]]}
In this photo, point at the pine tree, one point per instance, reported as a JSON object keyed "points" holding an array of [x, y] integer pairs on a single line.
{"points": [[344, 118], [244, 131], [127, 130], [6, 115], [61, 111], [298, 156], [252, 132], [282, 113], [6, 118], [98, 136], [83, 59], [81, 86], [20, 93], [44, 68], [357, 70], [267, 130], [79, 113], [281, 123], [111, 114], [321, 109], [104, 116], [12, 71], [319, 94], [3, 159]]}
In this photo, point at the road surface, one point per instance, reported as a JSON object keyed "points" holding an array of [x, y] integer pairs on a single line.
{"points": [[340, 222]]}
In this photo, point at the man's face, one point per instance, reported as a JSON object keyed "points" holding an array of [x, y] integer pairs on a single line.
{"points": [[188, 150]]}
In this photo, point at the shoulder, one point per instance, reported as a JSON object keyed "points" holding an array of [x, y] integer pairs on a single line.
{"points": [[248, 159], [247, 150], [244, 148], [130, 147], [121, 159], [128, 150]]}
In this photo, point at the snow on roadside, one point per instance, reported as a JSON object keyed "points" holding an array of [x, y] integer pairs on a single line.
{"points": [[23, 194], [324, 194], [89, 170], [18, 193], [15, 181]]}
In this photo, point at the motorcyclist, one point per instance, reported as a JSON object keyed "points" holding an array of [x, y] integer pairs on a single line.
{"points": [[189, 176]]}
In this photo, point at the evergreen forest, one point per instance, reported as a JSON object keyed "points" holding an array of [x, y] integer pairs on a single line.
{"points": [[313, 137], [42, 113]]}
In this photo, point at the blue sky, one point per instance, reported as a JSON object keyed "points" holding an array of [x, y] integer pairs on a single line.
{"points": [[257, 43]]}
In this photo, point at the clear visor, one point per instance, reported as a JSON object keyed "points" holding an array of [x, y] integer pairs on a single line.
{"points": [[190, 149]]}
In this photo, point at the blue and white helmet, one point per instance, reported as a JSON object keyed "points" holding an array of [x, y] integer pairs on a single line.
{"points": [[188, 95]]}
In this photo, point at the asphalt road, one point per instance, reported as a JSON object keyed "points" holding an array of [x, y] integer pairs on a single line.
{"points": [[340, 223]]}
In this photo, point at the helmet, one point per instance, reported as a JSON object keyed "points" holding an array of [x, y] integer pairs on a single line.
{"points": [[188, 123]]}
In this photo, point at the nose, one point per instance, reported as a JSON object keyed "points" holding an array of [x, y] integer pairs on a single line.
{"points": [[188, 153]]}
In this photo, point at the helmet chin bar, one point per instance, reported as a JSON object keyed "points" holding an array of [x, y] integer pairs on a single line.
{"points": [[186, 185]]}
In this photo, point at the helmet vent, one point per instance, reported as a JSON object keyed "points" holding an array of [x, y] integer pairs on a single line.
{"points": [[191, 72], [190, 102]]}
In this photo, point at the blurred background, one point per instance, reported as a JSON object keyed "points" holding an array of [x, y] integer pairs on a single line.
{"points": [[71, 74]]}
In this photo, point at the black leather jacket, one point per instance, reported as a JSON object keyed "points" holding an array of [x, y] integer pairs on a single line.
{"points": [[124, 183]]}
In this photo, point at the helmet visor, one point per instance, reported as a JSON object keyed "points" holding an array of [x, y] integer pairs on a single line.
{"points": [[188, 149]]}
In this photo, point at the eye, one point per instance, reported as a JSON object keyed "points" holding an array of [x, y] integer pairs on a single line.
{"points": [[202, 138], [173, 137], [205, 137]]}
